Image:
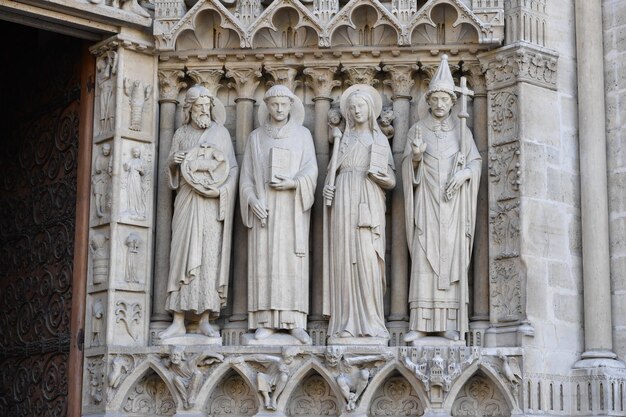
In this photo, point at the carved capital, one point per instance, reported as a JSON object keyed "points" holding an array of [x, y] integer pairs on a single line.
{"points": [[477, 80], [321, 80], [208, 77], [284, 76], [520, 63], [245, 80], [362, 74], [401, 80], [170, 84]]}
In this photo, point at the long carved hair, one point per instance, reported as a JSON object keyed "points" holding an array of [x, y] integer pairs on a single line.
{"points": [[193, 94], [373, 126]]}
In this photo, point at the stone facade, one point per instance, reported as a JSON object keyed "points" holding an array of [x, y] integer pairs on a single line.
{"points": [[547, 329]]}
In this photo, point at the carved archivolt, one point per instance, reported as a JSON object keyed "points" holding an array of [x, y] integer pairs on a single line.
{"points": [[318, 22]]}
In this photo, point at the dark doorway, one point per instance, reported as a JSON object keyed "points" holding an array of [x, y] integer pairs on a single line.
{"points": [[40, 110]]}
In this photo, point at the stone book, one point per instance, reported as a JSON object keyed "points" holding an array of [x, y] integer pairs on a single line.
{"points": [[378, 159], [279, 163]]}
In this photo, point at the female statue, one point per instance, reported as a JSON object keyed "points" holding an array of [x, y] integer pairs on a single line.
{"points": [[360, 171]]}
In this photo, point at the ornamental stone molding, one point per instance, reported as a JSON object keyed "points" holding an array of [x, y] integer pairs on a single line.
{"points": [[322, 18], [321, 80], [170, 83], [521, 62], [245, 80]]}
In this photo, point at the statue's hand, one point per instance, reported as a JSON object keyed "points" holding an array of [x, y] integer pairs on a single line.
{"points": [[285, 183], [457, 180], [179, 157], [417, 145], [259, 210], [329, 192], [384, 180]]}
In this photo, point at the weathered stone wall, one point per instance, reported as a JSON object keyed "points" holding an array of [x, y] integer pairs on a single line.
{"points": [[614, 16]]}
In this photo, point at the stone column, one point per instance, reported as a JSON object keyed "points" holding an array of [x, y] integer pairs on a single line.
{"points": [[321, 81], [245, 82], [479, 316], [593, 188], [401, 81], [169, 85]]}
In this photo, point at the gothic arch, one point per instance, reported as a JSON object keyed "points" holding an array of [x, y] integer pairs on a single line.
{"points": [[218, 376], [189, 22], [136, 376], [388, 371], [295, 380], [309, 391], [479, 368], [266, 19], [396, 395], [346, 18], [286, 31], [231, 392], [464, 16]]}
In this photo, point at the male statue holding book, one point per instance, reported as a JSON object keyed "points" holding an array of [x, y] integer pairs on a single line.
{"points": [[277, 189], [441, 173]]}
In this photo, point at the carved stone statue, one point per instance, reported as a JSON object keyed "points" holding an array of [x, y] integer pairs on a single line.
{"points": [[99, 247], [186, 376], [360, 171], [97, 321], [135, 188], [352, 376], [203, 170], [138, 95], [272, 381], [441, 173], [133, 244], [106, 68], [101, 180], [277, 189]]}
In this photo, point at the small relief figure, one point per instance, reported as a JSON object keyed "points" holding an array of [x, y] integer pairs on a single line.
{"points": [[360, 171], [133, 244], [96, 380], [106, 68], [203, 170], [385, 122], [120, 367], [277, 188], [441, 174], [138, 95], [335, 121], [135, 184], [185, 372], [273, 379], [101, 180], [352, 376], [98, 244], [97, 323]]}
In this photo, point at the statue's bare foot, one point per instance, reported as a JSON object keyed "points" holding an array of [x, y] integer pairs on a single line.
{"points": [[263, 333], [413, 335], [300, 334], [451, 334], [206, 329], [176, 329]]}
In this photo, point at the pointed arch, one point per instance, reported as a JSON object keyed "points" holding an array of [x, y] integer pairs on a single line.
{"points": [[143, 369], [387, 373], [492, 375], [219, 375], [345, 18], [295, 380], [381, 377], [266, 19]]}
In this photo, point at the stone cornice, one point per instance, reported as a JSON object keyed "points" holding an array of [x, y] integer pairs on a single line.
{"points": [[520, 62]]}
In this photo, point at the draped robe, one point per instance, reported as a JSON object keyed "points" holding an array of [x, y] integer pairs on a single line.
{"points": [[439, 231], [201, 229], [278, 251], [354, 235]]}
